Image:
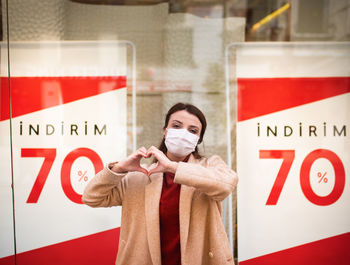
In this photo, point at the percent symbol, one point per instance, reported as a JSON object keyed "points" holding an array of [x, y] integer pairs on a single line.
{"points": [[82, 175], [322, 177]]}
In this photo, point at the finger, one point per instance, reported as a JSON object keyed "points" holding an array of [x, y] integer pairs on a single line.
{"points": [[141, 153], [147, 154], [143, 170], [143, 149], [150, 149], [157, 169], [152, 171], [153, 151], [153, 148], [159, 155]]}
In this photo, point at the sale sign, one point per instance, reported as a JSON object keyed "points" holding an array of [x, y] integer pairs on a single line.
{"points": [[293, 155], [68, 119]]}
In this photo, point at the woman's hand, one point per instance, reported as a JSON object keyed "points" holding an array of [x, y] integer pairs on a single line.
{"points": [[164, 163], [132, 162]]}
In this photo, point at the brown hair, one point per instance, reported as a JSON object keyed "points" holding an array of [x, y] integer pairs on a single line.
{"points": [[190, 109]]}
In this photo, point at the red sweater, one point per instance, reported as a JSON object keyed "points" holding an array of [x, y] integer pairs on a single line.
{"points": [[169, 220]]}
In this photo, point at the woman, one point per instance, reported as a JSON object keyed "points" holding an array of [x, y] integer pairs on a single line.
{"points": [[172, 210]]}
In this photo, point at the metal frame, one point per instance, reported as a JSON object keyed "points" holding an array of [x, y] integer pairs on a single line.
{"points": [[228, 201]]}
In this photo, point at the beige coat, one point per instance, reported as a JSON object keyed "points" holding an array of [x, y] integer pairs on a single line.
{"points": [[204, 184]]}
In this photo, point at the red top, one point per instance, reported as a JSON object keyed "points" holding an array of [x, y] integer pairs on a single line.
{"points": [[169, 220]]}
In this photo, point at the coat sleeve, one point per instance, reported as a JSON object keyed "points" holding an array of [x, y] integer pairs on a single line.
{"points": [[106, 189], [214, 178]]}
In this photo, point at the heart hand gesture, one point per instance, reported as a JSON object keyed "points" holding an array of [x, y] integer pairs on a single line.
{"points": [[132, 162], [164, 163]]}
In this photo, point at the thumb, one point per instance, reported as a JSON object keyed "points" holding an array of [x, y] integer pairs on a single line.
{"points": [[155, 170], [143, 170]]}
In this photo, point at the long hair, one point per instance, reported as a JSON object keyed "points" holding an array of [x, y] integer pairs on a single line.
{"points": [[190, 109]]}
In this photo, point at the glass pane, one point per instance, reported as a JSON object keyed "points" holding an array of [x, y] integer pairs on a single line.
{"points": [[58, 51], [92, 80], [7, 242], [69, 102]]}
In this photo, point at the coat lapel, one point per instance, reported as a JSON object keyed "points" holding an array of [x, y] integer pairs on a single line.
{"points": [[153, 192], [186, 195]]}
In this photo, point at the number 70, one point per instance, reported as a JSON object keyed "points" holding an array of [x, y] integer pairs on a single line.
{"points": [[50, 154], [288, 158]]}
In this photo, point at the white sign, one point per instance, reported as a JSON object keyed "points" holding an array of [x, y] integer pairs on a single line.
{"points": [[68, 121], [292, 153]]}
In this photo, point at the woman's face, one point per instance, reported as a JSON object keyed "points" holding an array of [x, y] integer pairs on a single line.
{"points": [[184, 120]]}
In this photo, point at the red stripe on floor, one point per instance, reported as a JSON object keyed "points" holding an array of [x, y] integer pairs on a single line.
{"points": [[100, 248], [332, 250]]}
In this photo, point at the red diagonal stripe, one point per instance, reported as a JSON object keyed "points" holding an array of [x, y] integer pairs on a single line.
{"points": [[332, 250], [100, 248], [29, 94], [261, 96]]}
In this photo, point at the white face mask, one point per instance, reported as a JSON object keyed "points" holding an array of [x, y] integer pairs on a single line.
{"points": [[180, 142]]}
